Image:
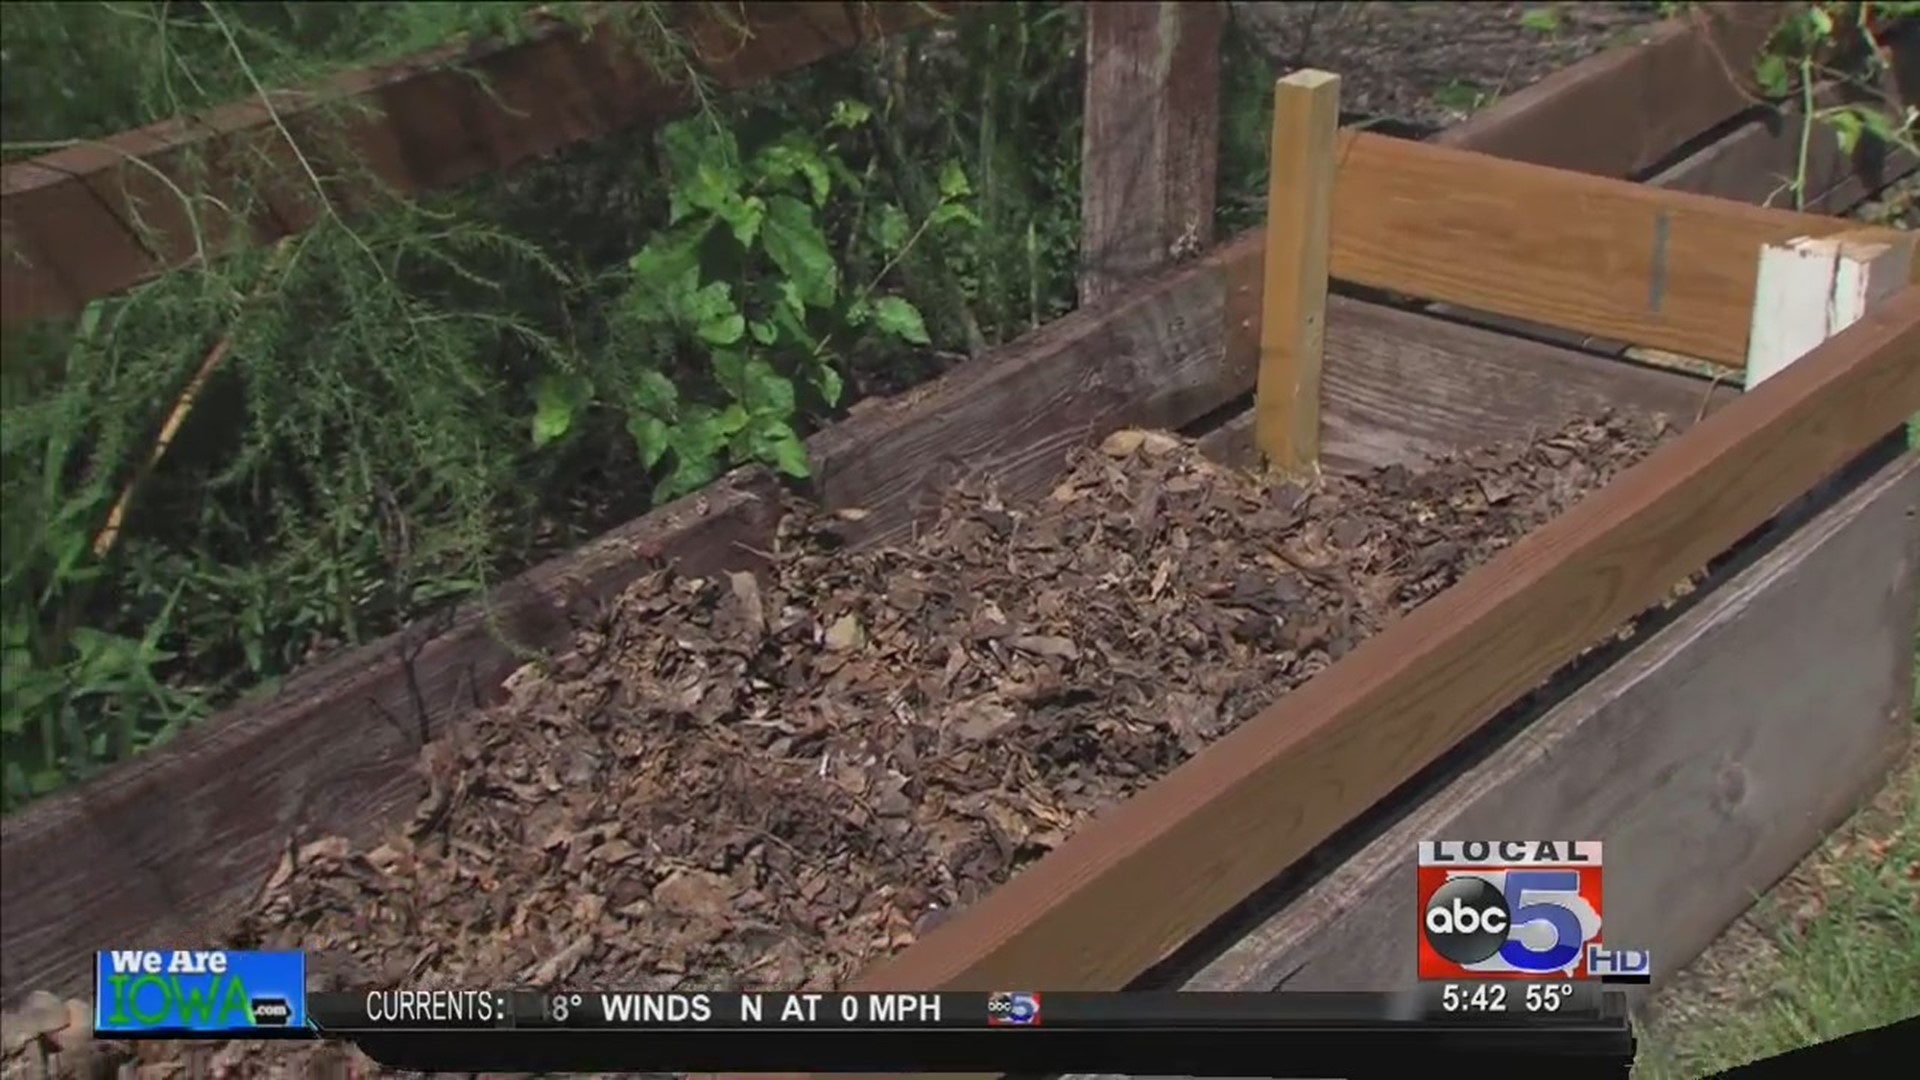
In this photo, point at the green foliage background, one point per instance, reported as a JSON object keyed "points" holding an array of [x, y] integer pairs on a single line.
{"points": [[418, 400]]}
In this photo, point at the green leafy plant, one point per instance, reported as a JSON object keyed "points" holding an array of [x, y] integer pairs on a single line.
{"points": [[342, 471], [425, 397], [1837, 43], [1463, 97], [747, 279]]}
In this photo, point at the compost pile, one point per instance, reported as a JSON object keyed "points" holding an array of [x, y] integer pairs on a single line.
{"points": [[771, 782]]}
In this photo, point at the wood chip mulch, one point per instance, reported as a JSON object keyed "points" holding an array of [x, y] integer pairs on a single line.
{"points": [[776, 781]]}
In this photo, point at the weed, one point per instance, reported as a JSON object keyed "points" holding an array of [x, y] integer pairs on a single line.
{"points": [[1542, 20], [226, 474], [745, 274], [1837, 44], [1463, 97]]}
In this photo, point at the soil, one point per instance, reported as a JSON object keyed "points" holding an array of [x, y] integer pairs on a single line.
{"points": [[775, 781], [1431, 64]]}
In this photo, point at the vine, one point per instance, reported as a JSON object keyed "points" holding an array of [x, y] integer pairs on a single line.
{"points": [[1839, 45], [360, 485]]}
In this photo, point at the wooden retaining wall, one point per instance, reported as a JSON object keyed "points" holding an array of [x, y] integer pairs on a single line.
{"points": [[129, 856], [67, 219], [1134, 885]]}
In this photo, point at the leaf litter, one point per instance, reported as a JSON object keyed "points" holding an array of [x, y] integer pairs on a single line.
{"points": [[775, 781]]}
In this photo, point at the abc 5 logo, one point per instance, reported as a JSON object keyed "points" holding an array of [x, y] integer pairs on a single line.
{"points": [[1013, 1008], [1511, 923]]}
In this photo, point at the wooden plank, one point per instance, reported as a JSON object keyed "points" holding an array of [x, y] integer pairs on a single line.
{"points": [[1688, 758], [430, 121], [1161, 355], [1151, 357], [1150, 141], [1748, 165], [1751, 164], [1638, 103], [1670, 270], [1811, 289], [1400, 388], [1293, 304], [1135, 884]]}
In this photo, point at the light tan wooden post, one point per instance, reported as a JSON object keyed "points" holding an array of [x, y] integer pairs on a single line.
{"points": [[1293, 304]]}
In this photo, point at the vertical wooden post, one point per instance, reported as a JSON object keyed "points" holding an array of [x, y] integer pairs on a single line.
{"points": [[1293, 299], [1811, 289], [1150, 140]]}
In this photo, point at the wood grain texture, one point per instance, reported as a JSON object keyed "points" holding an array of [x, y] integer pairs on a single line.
{"points": [[1687, 66], [1638, 103], [1400, 388], [1670, 270], [1293, 290], [1690, 758], [1752, 164], [1156, 355], [430, 121], [1150, 144], [1135, 884]]}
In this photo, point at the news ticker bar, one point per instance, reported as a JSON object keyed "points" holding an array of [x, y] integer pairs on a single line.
{"points": [[1531, 1006], [1572, 1028], [1344, 1052], [1301, 1034]]}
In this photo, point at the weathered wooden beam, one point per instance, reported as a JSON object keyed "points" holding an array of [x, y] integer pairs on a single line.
{"points": [[1400, 388], [1639, 102], [1135, 884], [1811, 289], [1637, 105], [1150, 141], [1293, 292], [102, 216], [1665, 269]]}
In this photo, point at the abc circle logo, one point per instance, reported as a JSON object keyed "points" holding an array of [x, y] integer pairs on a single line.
{"points": [[1015, 1007], [1532, 921]]}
